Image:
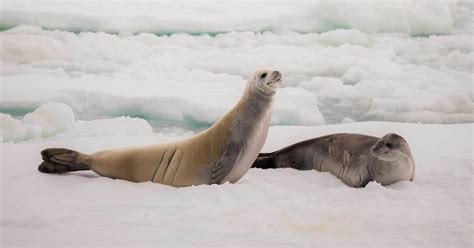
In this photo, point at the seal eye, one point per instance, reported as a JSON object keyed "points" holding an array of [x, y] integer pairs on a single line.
{"points": [[388, 145], [263, 75]]}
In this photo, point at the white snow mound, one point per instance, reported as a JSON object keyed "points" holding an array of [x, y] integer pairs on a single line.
{"points": [[49, 119], [57, 121], [11, 129]]}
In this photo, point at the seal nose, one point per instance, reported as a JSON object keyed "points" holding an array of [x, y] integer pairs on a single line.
{"points": [[276, 75]]}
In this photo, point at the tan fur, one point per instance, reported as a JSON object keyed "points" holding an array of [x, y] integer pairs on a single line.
{"points": [[222, 153], [183, 163]]}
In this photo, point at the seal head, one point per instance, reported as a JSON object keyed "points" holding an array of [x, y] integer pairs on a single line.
{"points": [[266, 81], [391, 147]]}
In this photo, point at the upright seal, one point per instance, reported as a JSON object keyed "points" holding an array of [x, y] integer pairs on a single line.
{"points": [[222, 153], [356, 159]]}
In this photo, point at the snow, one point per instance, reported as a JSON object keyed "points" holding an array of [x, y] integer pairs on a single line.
{"points": [[283, 207], [180, 78], [414, 17], [12, 129], [57, 120], [345, 63], [49, 119], [93, 75]]}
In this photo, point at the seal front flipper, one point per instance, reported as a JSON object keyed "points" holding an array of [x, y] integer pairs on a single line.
{"points": [[224, 165], [60, 160]]}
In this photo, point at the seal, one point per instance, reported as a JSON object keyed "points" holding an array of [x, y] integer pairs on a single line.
{"points": [[355, 159], [222, 153]]}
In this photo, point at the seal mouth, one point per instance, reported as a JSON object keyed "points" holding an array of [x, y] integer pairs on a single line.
{"points": [[275, 82], [379, 153]]}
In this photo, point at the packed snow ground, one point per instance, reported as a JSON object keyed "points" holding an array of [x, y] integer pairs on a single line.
{"points": [[283, 207]]}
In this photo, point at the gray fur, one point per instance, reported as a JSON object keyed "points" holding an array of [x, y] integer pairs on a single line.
{"points": [[247, 124], [356, 159]]}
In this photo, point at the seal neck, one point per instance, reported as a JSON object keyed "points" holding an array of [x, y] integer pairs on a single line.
{"points": [[249, 132], [254, 95]]}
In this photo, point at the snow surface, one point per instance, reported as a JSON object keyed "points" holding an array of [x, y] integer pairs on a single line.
{"points": [[92, 75], [283, 207]]}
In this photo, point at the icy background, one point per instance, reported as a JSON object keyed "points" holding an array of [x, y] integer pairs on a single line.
{"points": [[183, 65], [93, 75]]}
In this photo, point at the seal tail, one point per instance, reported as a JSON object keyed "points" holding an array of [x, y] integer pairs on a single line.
{"points": [[264, 161], [60, 160]]}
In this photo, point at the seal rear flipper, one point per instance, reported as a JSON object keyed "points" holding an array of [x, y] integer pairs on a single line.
{"points": [[263, 155], [60, 160], [263, 162], [48, 167]]}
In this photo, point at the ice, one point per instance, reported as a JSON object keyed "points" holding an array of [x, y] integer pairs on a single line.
{"points": [[49, 119], [190, 81], [192, 76], [12, 129], [57, 121], [120, 126], [281, 207], [94, 75], [415, 17], [124, 17], [295, 106]]}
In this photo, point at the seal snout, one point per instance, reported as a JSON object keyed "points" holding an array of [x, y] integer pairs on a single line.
{"points": [[274, 79], [276, 76]]}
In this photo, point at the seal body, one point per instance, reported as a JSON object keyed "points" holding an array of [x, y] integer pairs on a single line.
{"points": [[355, 159], [222, 153]]}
